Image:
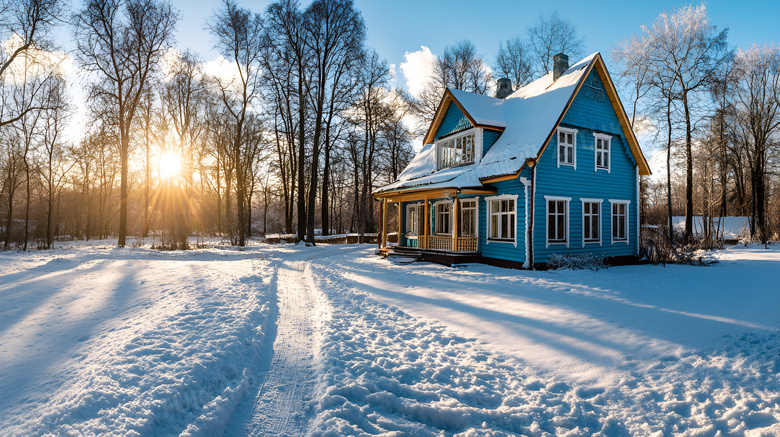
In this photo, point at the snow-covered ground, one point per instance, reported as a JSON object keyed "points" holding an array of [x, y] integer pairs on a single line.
{"points": [[333, 340]]}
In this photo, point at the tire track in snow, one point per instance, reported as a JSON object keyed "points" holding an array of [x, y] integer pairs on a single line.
{"points": [[274, 408]]}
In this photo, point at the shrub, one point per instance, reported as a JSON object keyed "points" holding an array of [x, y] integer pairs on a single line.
{"points": [[580, 261]]}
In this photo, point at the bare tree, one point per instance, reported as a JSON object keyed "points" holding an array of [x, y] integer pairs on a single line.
{"points": [[286, 32], [550, 36], [690, 49], [757, 72], [12, 178], [29, 23], [239, 38], [368, 116], [335, 33], [513, 62], [123, 43], [54, 169], [462, 68]]}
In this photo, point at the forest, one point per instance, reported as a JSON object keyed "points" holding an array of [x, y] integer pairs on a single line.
{"points": [[298, 123]]}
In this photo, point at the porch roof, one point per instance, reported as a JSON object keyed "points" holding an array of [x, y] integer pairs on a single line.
{"points": [[456, 177]]}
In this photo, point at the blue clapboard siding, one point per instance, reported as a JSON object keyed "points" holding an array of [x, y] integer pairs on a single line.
{"points": [[454, 121], [590, 112], [489, 137], [504, 250]]}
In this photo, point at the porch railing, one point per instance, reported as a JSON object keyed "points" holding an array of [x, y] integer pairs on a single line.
{"points": [[443, 242], [467, 244], [440, 242]]}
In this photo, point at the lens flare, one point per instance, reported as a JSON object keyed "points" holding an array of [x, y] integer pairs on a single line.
{"points": [[170, 165]]}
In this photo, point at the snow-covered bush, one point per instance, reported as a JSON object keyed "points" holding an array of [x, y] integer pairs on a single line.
{"points": [[578, 261]]}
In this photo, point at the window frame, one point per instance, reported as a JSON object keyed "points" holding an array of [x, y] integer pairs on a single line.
{"points": [[598, 202], [476, 147], [566, 219], [626, 215], [606, 139], [436, 213], [489, 218], [461, 209], [573, 145]]}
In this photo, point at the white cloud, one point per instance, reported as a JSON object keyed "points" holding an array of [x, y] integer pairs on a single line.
{"points": [[417, 68], [223, 70]]}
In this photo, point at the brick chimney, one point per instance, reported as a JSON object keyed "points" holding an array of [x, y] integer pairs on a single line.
{"points": [[503, 88], [560, 65]]}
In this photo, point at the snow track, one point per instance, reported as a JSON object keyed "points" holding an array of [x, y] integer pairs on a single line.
{"points": [[286, 377]]}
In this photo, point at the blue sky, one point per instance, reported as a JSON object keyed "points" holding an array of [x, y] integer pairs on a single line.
{"points": [[399, 26]]}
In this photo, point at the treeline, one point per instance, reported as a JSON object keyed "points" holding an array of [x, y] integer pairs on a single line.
{"points": [[294, 126], [289, 131], [715, 109]]}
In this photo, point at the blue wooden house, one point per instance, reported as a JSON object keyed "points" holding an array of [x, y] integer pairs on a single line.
{"points": [[551, 168]]}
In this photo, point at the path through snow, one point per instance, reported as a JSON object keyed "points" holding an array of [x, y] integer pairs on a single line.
{"points": [[286, 379]]}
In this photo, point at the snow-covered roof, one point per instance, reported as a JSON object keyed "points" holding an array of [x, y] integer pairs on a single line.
{"points": [[455, 177], [527, 116]]}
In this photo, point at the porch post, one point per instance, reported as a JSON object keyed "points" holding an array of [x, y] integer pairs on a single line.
{"points": [[455, 208], [427, 225], [384, 223], [400, 225]]}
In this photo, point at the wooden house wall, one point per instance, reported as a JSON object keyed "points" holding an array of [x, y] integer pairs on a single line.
{"points": [[489, 138], [590, 112], [500, 249], [453, 121]]}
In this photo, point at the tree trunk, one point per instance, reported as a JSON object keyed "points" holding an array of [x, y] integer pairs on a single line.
{"points": [[669, 169], [125, 142], [689, 173], [301, 157]]}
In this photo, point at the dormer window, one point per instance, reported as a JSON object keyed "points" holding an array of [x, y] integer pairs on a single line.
{"points": [[456, 150]]}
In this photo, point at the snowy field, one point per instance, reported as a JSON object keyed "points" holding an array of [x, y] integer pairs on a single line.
{"points": [[332, 340]]}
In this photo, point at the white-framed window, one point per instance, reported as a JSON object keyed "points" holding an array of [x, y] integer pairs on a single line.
{"points": [[619, 220], [567, 147], [591, 221], [603, 156], [557, 220], [441, 217], [502, 218], [467, 227], [457, 149], [414, 218]]}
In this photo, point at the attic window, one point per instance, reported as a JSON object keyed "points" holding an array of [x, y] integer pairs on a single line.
{"points": [[456, 150]]}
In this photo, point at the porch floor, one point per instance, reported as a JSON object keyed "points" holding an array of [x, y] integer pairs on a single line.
{"points": [[446, 257]]}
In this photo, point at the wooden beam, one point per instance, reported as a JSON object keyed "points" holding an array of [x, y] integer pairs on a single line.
{"points": [[488, 127], [384, 224], [455, 207], [400, 227], [427, 226], [420, 194], [502, 178]]}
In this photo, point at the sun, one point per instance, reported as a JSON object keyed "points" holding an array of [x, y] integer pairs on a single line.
{"points": [[170, 165]]}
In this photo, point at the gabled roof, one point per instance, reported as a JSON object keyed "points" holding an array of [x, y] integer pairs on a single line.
{"points": [[528, 118]]}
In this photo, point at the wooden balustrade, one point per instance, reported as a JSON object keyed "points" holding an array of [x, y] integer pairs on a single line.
{"points": [[442, 242], [467, 244]]}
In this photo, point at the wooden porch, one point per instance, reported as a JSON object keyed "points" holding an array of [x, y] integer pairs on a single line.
{"points": [[450, 248]]}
